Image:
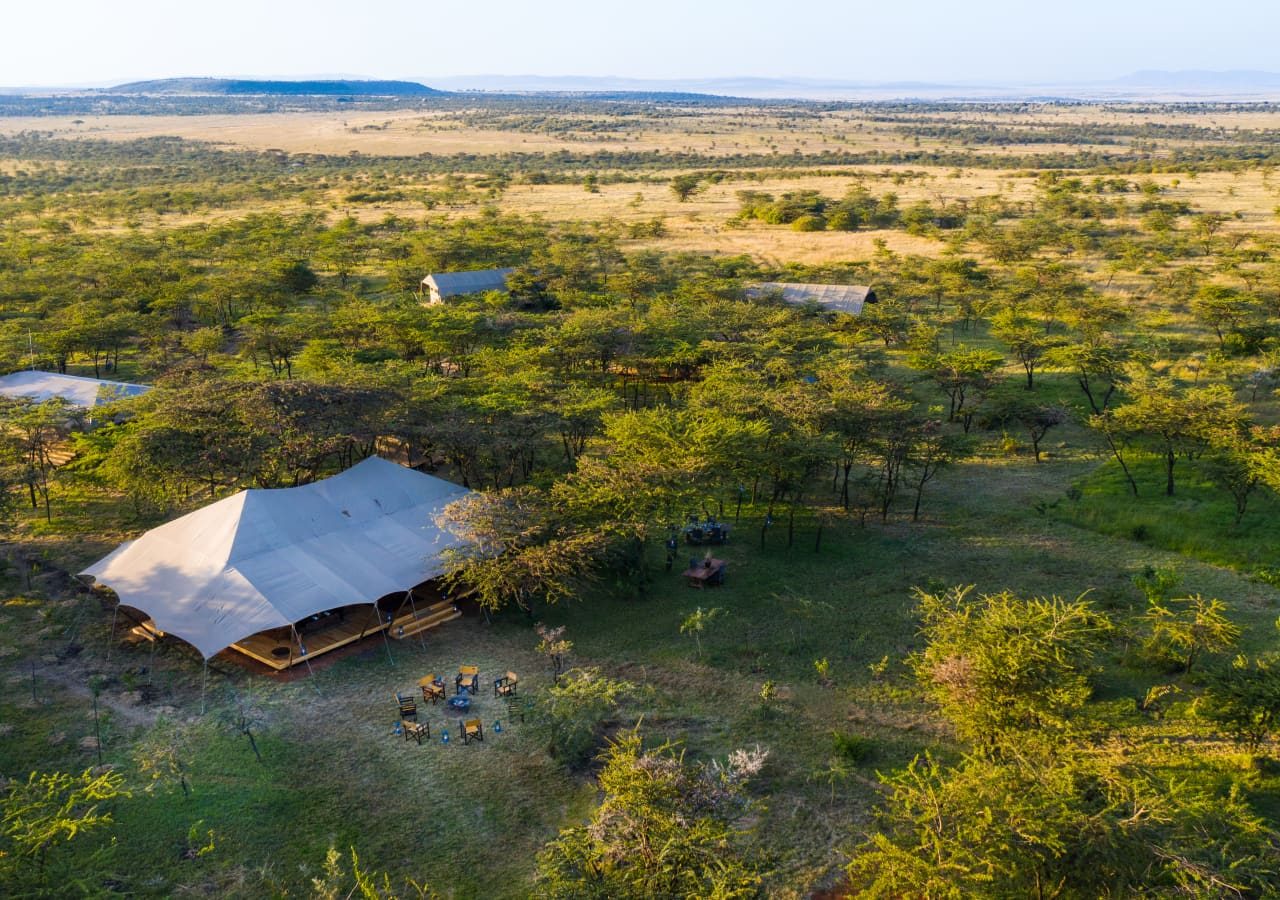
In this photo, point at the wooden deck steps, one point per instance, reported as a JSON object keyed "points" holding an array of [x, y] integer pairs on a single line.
{"points": [[428, 616]]}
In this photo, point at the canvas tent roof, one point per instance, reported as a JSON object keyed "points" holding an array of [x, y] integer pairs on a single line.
{"points": [[77, 391], [268, 558], [453, 284], [845, 298]]}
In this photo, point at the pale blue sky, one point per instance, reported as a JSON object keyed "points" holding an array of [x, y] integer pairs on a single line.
{"points": [[1023, 41]]}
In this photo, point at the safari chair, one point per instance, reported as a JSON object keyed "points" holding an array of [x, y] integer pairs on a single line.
{"points": [[472, 730], [718, 577], [516, 708], [506, 685], [417, 731], [408, 708], [432, 689], [467, 678]]}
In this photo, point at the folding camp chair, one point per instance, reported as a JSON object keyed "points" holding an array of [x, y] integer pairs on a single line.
{"points": [[472, 730], [417, 731], [467, 678], [432, 688], [408, 708], [506, 685], [516, 707]]}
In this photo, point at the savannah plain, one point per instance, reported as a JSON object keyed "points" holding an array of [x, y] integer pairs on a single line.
{"points": [[1084, 222]]}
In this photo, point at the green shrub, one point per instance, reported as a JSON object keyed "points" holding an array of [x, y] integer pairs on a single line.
{"points": [[569, 715], [809, 223], [852, 748]]}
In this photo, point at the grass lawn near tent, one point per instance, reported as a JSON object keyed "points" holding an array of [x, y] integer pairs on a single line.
{"points": [[469, 820]]}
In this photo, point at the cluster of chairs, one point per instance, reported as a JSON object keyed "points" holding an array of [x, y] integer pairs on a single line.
{"points": [[709, 532], [505, 687]]}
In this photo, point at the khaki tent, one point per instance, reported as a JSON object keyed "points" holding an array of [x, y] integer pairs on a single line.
{"points": [[844, 298], [269, 558]]}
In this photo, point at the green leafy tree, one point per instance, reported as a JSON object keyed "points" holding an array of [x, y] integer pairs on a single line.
{"points": [[1002, 663], [685, 186], [1244, 699], [696, 623], [41, 818], [1027, 341], [1050, 822], [1099, 365], [1173, 422], [515, 549], [570, 713], [1181, 630], [663, 828]]}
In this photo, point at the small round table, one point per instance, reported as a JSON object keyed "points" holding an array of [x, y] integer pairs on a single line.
{"points": [[460, 703]]}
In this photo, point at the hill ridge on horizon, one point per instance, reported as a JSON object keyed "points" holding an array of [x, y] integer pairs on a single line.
{"points": [[312, 87]]}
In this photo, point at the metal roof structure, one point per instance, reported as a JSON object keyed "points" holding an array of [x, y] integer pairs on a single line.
{"points": [[456, 284], [845, 298], [85, 393]]}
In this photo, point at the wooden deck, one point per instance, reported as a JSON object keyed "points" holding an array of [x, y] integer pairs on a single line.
{"points": [[279, 649]]}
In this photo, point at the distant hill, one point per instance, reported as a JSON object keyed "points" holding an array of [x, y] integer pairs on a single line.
{"points": [[1202, 80], [228, 86]]}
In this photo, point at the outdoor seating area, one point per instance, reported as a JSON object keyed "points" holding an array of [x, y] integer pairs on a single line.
{"points": [[466, 704], [708, 532], [708, 572]]}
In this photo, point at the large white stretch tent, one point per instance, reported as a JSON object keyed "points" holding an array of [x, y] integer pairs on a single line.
{"points": [[268, 558]]}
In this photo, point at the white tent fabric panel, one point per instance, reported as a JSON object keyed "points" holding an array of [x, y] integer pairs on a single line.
{"points": [[267, 558], [85, 393]]}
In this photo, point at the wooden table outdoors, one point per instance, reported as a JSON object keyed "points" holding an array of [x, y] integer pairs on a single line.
{"points": [[700, 575]]}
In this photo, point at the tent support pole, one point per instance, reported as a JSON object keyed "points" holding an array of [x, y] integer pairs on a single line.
{"points": [[111, 637], [422, 638], [306, 659], [385, 640], [204, 682], [151, 662]]}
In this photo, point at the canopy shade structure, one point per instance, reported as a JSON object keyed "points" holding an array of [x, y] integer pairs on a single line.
{"points": [[268, 558], [85, 393], [845, 298]]}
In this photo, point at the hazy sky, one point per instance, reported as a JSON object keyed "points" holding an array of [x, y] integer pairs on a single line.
{"points": [[57, 42]]}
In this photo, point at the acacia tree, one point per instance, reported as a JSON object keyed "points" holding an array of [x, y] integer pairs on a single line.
{"points": [[1003, 663], [48, 811], [1026, 339], [1172, 421], [932, 450], [664, 828], [1244, 698], [960, 374], [1049, 821], [516, 549], [1180, 630], [1099, 364], [34, 441], [1240, 461]]}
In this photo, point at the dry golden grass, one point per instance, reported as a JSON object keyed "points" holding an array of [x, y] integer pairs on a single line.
{"points": [[705, 222]]}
